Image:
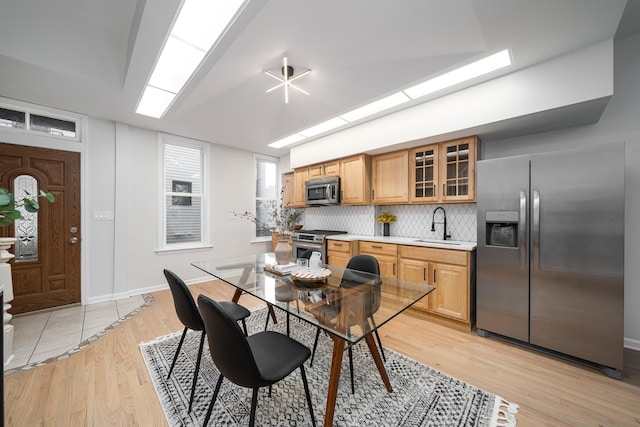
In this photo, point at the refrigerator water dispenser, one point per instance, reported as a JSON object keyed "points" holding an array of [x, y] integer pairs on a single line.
{"points": [[502, 228]]}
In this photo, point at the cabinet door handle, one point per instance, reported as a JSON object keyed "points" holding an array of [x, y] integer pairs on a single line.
{"points": [[443, 189], [339, 245], [424, 274], [434, 276], [394, 269], [376, 247]]}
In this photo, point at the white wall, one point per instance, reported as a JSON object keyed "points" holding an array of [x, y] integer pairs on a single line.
{"points": [[619, 122]]}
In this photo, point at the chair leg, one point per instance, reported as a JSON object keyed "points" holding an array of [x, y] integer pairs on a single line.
{"points": [[184, 334], [254, 404], [353, 389], [315, 345], [266, 323], [195, 375], [378, 337], [307, 394], [244, 326], [213, 400], [288, 323]]}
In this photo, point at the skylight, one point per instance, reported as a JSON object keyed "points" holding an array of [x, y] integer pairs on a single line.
{"points": [[199, 25]]}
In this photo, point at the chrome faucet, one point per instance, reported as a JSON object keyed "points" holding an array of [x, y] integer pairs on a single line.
{"points": [[445, 236]]}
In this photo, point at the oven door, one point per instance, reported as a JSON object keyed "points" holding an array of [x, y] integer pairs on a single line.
{"points": [[300, 247]]}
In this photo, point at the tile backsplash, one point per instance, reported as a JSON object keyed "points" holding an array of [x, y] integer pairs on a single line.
{"points": [[412, 220]]}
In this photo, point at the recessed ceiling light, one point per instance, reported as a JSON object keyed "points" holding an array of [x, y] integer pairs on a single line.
{"points": [[376, 107], [323, 127], [475, 69], [292, 139], [200, 23]]}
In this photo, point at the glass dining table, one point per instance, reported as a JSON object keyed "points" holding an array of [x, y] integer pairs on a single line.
{"points": [[348, 305]]}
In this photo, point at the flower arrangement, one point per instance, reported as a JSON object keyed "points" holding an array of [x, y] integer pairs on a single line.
{"points": [[281, 219], [10, 208], [386, 217]]}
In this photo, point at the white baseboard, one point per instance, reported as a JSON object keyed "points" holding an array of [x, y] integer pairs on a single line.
{"points": [[632, 344]]}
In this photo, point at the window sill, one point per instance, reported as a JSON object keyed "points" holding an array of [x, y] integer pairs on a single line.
{"points": [[195, 248], [260, 240]]}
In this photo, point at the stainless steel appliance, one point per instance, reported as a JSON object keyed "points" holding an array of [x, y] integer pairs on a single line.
{"points": [[550, 254], [322, 191], [312, 239]]}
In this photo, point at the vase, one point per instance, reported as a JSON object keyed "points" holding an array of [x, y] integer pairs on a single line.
{"points": [[7, 285], [385, 229], [283, 252]]}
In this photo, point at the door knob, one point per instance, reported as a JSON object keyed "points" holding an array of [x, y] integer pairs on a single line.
{"points": [[73, 240]]}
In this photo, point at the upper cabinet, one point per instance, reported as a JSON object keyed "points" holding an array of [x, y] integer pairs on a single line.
{"points": [[458, 170], [288, 183], [299, 177], [423, 167], [444, 172], [390, 178], [355, 181], [323, 170]]}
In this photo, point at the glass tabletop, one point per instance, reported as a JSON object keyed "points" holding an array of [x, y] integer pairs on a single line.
{"points": [[346, 303]]}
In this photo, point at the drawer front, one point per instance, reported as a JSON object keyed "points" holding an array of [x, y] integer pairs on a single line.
{"points": [[379, 248], [338, 246], [446, 256]]}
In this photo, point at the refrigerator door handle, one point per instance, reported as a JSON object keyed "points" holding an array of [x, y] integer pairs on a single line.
{"points": [[535, 231], [522, 235]]}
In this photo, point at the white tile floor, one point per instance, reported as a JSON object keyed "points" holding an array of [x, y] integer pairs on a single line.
{"points": [[43, 335]]}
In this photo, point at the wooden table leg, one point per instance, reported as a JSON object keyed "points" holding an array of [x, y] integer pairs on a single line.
{"points": [[236, 295], [373, 348], [334, 379]]}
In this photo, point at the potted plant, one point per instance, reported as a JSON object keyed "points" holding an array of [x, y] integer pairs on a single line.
{"points": [[281, 220], [386, 218]]}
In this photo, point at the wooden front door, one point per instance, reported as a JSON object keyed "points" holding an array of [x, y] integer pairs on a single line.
{"points": [[47, 274]]}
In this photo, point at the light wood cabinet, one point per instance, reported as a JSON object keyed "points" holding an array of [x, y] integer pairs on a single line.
{"points": [[288, 184], [458, 170], [299, 177], [390, 178], [355, 180], [424, 179], [443, 172], [387, 256], [340, 252], [450, 271], [323, 170]]}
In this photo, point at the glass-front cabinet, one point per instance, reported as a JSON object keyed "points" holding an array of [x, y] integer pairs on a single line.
{"points": [[458, 169], [423, 163]]}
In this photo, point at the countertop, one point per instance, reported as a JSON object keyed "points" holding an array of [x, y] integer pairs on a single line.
{"points": [[413, 241]]}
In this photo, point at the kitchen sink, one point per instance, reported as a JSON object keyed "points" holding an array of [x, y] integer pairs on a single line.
{"points": [[438, 242]]}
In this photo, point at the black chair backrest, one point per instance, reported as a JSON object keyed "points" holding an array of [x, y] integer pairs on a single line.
{"points": [[229, 348], [186, 307], [367, 264]]}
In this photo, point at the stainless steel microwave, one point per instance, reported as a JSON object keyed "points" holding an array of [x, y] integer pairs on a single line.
{"points": [[322, 191]]}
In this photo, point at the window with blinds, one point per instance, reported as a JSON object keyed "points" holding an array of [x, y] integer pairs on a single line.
{"points": [[183, 194]]}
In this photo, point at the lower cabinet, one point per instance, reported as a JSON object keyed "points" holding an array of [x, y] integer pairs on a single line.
{"points": [[387, 256], [450, 271], [340, 252]]}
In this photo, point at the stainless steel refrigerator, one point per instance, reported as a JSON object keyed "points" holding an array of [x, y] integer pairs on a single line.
{"points": [[550, 255]]}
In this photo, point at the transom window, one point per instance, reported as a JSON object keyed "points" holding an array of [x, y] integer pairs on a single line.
{"points": [[34, 121]]}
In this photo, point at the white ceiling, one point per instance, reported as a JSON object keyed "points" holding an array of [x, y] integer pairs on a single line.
{"points": [[94, 57]]}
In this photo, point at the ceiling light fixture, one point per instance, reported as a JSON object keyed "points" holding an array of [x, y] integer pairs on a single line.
{"points": [[467, 72], [287, 80], [197, 28]]}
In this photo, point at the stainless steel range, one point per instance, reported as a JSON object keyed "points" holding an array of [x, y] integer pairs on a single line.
{"points": [[312, 239]]}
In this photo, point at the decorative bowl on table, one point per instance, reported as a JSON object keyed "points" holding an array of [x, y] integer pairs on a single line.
{"points": [[310, 277]]}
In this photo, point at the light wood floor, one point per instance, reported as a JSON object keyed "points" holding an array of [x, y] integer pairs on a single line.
{"points": [[107, 383]]}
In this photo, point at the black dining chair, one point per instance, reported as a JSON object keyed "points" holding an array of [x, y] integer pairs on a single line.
{"points": [[358, 263], [188, 313], [259, 360]]}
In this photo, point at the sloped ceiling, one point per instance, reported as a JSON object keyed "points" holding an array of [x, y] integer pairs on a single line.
{"points": [[94, 57]]}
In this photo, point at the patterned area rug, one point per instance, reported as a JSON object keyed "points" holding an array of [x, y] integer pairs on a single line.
{"points": [[421, 396]]}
